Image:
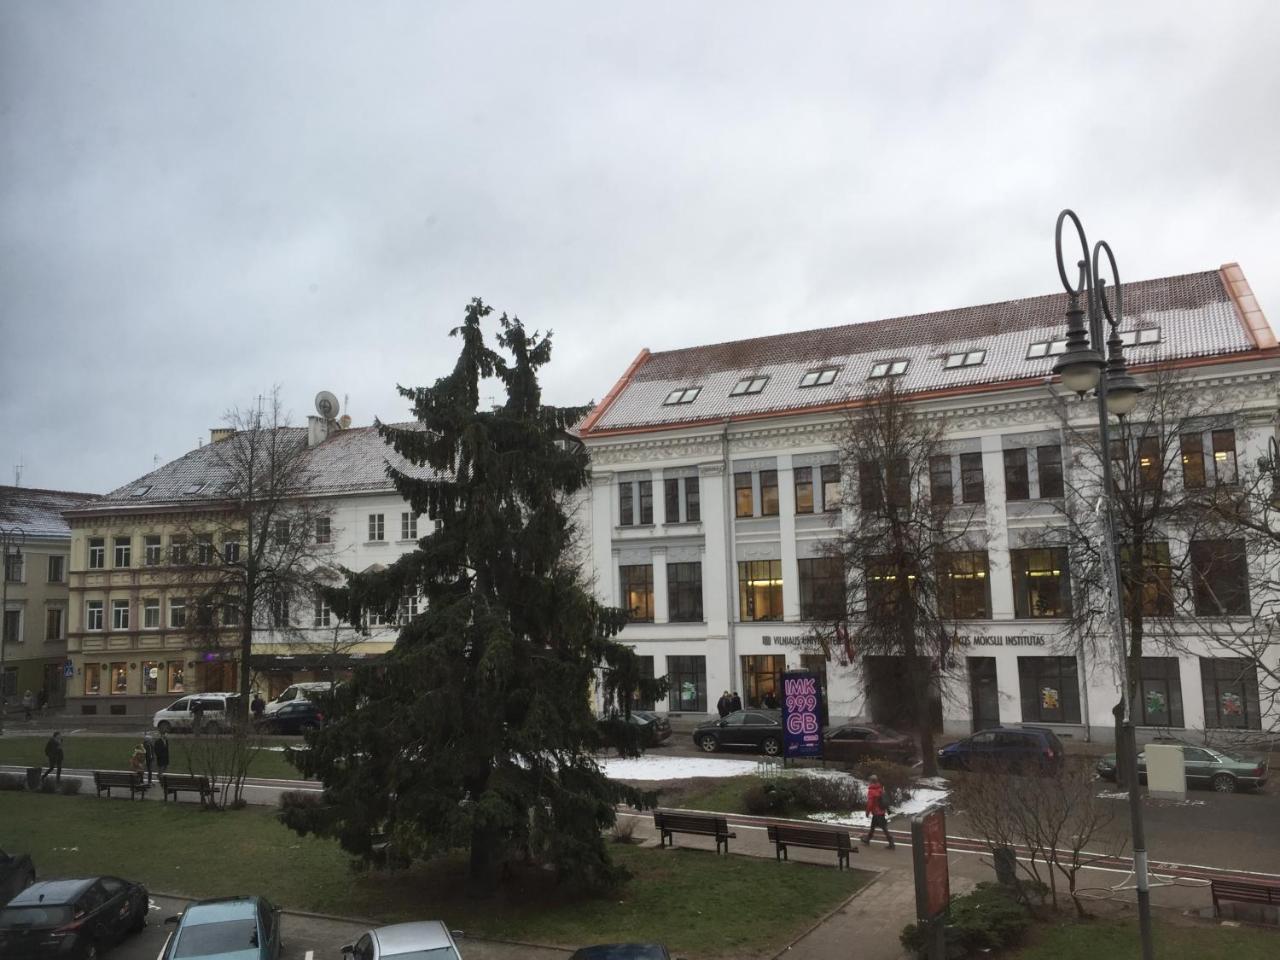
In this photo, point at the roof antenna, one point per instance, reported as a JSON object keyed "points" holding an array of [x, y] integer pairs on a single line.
{"points": [[17, 473]]}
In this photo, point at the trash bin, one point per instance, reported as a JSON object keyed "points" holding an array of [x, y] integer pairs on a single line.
{"points": [[33, 778], [1006, 863]]}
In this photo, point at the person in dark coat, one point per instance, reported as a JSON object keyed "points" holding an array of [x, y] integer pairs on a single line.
{"points": [[53, 753], [722, 705], [161, 750], [197, 716], [258, 706], [149, 751], [735, 703], [770, 701]]}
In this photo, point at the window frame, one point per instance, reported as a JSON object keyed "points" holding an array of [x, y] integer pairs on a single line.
{"points": [[92, 623], [684, 592], [802, 487], [687, 668], [967, 482], [377, 528], [59, 563], [633, 580], [152, 550], [151, 605], [1055, 472], [121, 552], [177, 613], [1225, 477], [769, 497], [748, 386], [738, 488], [752, 573], [1164, 676], [681, 396], [408, 525], [935, 473], [60, 614], [323, 530], [1217, 673], [822, 588], [1024, 577], [120, 615], [951, 580], [1208, 600], [829, 473], [1034, 673], [1017, 474], [97, 558], [818, 377]]}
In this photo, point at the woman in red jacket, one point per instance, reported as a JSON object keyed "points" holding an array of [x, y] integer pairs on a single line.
{"points": [[877, 810]]}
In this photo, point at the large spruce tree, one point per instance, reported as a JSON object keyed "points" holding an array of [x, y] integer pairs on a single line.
{"points": [[477, 731]]}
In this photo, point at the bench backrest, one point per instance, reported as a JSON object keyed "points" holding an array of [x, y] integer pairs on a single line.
{"points": [[116, 777], [184, 780], [809, 836], [1247, 891], [690, 821]]}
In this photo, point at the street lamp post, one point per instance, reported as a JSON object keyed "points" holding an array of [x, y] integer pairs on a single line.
{"points": [[17, 537], [1082, 368]]}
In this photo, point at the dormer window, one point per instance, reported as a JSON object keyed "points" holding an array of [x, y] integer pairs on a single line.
{"points": [[748, 385], [141, 491], [683, 395], [1140, 338], [967, 358], [890, 368], [1046, 348], [194, 487], [820, 377]]}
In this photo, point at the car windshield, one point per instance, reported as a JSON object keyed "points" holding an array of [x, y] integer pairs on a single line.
{"points": [[438, 953], [18, 918], [228, 936]]}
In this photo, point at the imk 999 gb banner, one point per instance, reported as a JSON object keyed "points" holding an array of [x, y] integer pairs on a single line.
{"points": [[801, 710]]}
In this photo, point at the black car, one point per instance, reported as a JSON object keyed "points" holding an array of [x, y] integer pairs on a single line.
{"points": [[759, 729], [16, 874], [1019, 749], [71, 919], [296, 716], [649, 729], [622, 951]]}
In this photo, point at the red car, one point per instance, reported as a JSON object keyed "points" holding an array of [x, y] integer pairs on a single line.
{"points": [[855, 742]]}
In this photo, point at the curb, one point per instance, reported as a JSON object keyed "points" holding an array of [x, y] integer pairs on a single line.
{"points": [[877, 874]]}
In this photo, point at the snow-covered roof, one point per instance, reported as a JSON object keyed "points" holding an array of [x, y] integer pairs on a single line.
{"points": [[1185, 317], [39, 512]]}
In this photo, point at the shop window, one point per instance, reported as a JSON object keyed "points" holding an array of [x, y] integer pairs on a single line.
{"points": [[92, 679], [684, 592], [150, 676], [759, 590], [119, 678], [177, 679], [687, 677], [822, 588], [762, 680], [964, 585], [1160, 692], [1050, 689], [1041, 583], [637, 591], [1230, 688]]}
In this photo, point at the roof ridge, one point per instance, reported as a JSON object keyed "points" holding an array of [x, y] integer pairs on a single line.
{"points": [[61, 493]]}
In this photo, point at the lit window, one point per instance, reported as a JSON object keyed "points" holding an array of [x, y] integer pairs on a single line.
{"points": [[968, 358], [683, 395], [819, 378], [891, 368], [749, 385]]}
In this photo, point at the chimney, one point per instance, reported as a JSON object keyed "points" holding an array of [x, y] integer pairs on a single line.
{"points": [[217, 434], [317, 430]]}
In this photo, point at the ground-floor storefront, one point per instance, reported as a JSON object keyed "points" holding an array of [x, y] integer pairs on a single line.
{"points": [[999, 674], [36, 675]]}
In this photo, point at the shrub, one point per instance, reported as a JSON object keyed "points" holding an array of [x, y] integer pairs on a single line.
{"points": [[69, 788], [989, 918], [12, 781], [48, 786], [767, 798], [802, 794], [898, 780], [624, 830]]}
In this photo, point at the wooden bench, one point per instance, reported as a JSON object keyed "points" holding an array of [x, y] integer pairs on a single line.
{"points": [[670, 822], [784, 835], [122, 779], [181, 782], [1245, 891]]}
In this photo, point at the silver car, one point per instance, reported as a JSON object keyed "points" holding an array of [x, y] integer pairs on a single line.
{"points": [[423, 940]]}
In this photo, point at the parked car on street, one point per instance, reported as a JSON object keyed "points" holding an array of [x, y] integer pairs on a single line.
{"points": [[1206, 766], [16, 874], [755, 728], [622, 951], [178, 715], [423, 940], [651, 729], [1019, 749], [296, 692], [855, 742], [243, 928], [299, 716], [65, 919]]}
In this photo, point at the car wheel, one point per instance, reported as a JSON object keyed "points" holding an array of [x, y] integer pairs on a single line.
{"points": [[709, 744], [140, 923], [308, 725], [164, 726], [771, 746], [1224, 783]]}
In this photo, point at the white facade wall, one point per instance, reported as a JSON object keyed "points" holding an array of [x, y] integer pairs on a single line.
{"points": [[985, 424]]}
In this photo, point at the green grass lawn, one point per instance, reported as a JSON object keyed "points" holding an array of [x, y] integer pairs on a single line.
{"points": [[720, 794], [1096, 939], [113, 752], [699, 904]]}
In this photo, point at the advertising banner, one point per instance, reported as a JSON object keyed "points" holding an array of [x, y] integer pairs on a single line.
{"points": [[929, 850], [801, 710]]}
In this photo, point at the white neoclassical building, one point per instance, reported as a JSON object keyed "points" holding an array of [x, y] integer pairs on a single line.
{"points": [[715, 483]]}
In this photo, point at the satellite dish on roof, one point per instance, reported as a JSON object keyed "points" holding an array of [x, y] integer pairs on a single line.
{"points": [[326, 405]]}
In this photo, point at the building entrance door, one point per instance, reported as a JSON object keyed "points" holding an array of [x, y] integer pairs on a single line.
{"points": [[55, 685], [889, 697], [984, 694], [762, 680]]}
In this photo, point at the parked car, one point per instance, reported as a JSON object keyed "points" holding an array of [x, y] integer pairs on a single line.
{"points": [[622, 951], [296, 692], [178, 715], [855, 742], [760, 729], [246, 928], [1206, 766], [1021, 749], [66, 919], [299, 716], [651, 729], [16, 874], [424, 940]]}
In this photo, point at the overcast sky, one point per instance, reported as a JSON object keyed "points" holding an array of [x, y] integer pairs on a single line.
{"points": [[198, 201]]}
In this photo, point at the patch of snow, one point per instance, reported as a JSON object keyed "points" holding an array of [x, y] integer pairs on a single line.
{"points": [[674, 768], [922, 799], [1114, 795]]}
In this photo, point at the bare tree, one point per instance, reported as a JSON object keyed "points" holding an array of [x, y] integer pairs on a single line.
{"points": [[912, 568], [253, 561]]}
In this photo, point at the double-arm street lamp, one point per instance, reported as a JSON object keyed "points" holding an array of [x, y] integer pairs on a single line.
{"points": [[13, 537], [1082, 367]]}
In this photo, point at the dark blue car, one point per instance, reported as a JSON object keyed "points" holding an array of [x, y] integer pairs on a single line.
{"points": [[1018, 749]]}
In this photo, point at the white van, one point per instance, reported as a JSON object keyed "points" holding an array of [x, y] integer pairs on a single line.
{"points": [[178, 715], [298, 691]]}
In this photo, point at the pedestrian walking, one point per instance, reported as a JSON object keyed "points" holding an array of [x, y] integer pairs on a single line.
{"points": [[735, 702], [161, 748], [149, 748], [197, 715], [722, 705], [28, 704], [53, 753], [878, 811], [258, 706]]}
